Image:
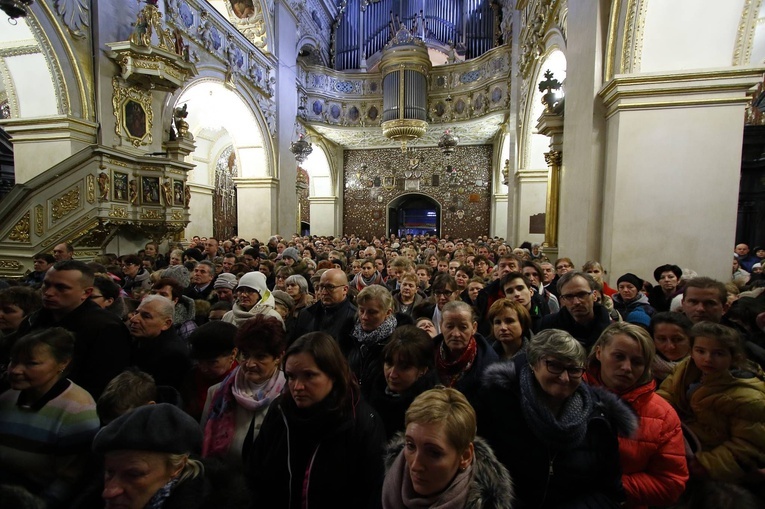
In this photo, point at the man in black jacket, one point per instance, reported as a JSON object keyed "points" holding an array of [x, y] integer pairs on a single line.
{"points": [[334, 313], [579, 315], [157, 350], [102, 347]]}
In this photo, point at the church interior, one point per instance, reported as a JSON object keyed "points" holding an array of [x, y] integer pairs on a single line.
{"points": [[604, 129]]}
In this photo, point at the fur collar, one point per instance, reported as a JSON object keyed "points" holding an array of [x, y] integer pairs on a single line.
{"points": [[491, 486], [504, 376]]}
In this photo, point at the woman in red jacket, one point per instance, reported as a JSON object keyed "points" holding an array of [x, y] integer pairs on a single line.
{"points": [[654, 469]]}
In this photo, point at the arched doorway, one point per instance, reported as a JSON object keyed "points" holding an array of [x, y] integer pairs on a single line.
{"points": [[415, 214]]}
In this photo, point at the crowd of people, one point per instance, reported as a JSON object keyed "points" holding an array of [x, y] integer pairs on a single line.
{"points": [[401, 372]]}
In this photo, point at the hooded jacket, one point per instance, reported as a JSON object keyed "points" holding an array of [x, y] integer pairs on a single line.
{"points": [[726, 412], [584, 476], [625, 308], [183, 317], [490, 486], [653, 462]]}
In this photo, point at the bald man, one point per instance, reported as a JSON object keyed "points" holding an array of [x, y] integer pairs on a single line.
{"points": [[333, 313]]}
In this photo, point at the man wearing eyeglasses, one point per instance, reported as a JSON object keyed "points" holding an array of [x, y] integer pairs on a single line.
{"points": [[333, 313], [580, 315]]}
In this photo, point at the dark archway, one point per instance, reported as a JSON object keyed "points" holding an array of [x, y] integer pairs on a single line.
{"points": [[415, 214]]}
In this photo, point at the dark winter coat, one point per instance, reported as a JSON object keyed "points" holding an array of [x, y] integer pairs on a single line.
{"points": [[470, 383], [337, 321], [491, 486], [585, 476], [486, 297], [101, 348], [165, 357], [585, 334], [317, 457], [392, 408], [364, 359]]}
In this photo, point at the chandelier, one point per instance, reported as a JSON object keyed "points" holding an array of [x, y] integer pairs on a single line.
{"points": [[448, 143], [301, 149], [15, 8]]}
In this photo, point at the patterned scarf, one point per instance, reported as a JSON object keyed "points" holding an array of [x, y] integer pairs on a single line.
{"points": [[398, 491], [380, 333], [159, 498], [450, 372], [362, 282], [567, 430], [235, 390]]}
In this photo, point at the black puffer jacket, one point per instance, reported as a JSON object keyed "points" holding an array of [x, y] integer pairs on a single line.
{"points": [[490, 487], [584, 476]]}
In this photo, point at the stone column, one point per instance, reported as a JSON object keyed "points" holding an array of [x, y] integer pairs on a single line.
{"points": [[324, 215], [672, 172], [284, 207], [551, 124], [257, 203]]}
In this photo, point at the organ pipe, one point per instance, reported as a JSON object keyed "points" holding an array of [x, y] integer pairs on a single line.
{"points": [[404, 65]]}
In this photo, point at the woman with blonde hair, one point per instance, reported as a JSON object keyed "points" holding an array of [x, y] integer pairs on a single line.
{"points": [[374, 326], [440, 462], [654, 470]]}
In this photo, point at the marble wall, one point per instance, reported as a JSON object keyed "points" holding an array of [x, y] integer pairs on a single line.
{"points": [[461, 184]]}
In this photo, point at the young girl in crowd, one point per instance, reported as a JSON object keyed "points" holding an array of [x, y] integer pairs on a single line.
{"points": [[720, 396]]}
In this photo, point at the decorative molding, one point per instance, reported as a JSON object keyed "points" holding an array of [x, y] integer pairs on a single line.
{"points": [[75, 14], [152, 214], [742, 52], [9, 264], [20, 48], [122, 95], [118, 212], [177, 215], [66, 204], [90, 188], [628, 42], [39, 220], [55, 66], [20, 231]]}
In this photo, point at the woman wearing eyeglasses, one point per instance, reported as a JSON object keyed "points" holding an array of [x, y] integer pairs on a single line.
{"points": [[556, 436], [240, 402], [252, 298]]}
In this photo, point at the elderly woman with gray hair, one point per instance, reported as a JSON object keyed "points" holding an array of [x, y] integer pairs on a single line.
{"points": [[556, 436], [296, 287]]}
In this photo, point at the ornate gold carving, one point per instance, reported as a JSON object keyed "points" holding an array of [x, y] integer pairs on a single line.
{"points": [[152, 214], [84, 224], [118, 163], [628, 43], [67, 203], [554, 158], [742, 53], [177, 215], [148, 21], [118, 212], [10, 264], [90, 186], [20, 231], [127, 125], [39, 220]]}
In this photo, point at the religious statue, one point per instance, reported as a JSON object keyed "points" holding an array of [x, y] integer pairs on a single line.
{"points": [[133, 192], [103, 186], [167, 191], [179, 117]]}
